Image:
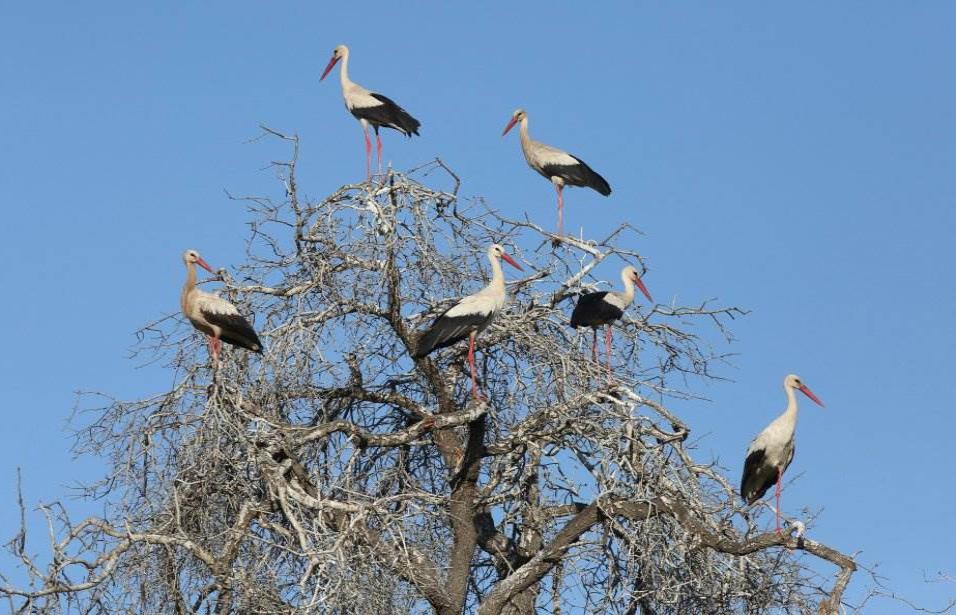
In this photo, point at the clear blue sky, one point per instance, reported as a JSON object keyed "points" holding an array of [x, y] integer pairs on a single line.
{"points": [[798, 162]]}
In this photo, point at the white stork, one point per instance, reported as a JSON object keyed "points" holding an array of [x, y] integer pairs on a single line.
{"points": [[559, 167], [213, 315], [370, 108], [771, 452], [470, 315], [603, 308]]}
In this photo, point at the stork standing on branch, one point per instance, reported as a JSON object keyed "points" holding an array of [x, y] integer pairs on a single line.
{"points": [[603, 308], [470, 316], [771, 452], [370, 108], [213, 315], [557, 166]]}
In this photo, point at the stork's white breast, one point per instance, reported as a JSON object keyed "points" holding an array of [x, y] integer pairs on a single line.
{"points": [[616, 299], [539, 155], [776, 441], [357, 97], [214, 304], [479, 303]]}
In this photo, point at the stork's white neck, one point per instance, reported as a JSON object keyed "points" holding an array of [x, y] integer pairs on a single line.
{"points": [[628, 294], [523, 132], [791, 400], [190, 276], [497, 284], [528, 145], [189, 285], [344, 71], [789, 416]]}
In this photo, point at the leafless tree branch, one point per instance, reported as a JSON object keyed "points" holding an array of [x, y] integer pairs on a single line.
{"points": [[337, 474]]}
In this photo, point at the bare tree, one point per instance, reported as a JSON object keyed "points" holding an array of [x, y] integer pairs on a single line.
{"points": [[336, 474]]}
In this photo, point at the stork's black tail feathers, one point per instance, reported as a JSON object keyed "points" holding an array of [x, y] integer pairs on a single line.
{"points": [[427, 343], [236, 330], [408, 123], [393, 116], [249, 341], [591, 179], [444, 332]]}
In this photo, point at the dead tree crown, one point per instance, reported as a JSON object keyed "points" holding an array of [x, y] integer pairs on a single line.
{"points": [[336, 474]]}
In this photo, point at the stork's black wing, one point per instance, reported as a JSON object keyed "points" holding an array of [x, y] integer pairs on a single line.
{"points": [[758, 476], [448, 330], [579, 174], [236, 330], [593, 310], [388, 114]]}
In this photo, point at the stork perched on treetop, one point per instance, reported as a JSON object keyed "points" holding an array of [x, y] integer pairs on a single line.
{"points": [[603, 308], [470, 316], [369, 107], [213, 315], [770, 453], [559, 167]]}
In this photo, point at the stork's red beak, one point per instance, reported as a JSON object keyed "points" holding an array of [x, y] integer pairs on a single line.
{"points": [[204, 265], [328, 68], [510, 125], [809, 393], [640, 284], [511, 261]]}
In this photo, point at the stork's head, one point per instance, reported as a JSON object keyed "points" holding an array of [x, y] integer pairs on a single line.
{"points": [[631, 274], [793, 382], [516, 117], [338, 53], [495, 251], [191, 257]]}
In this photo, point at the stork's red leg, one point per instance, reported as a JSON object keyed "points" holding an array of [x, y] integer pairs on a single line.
{"points": [[214, 345], [471, 364], [368, 154], [607, 341], [378, 146], [779, 477], [560, 210]]}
